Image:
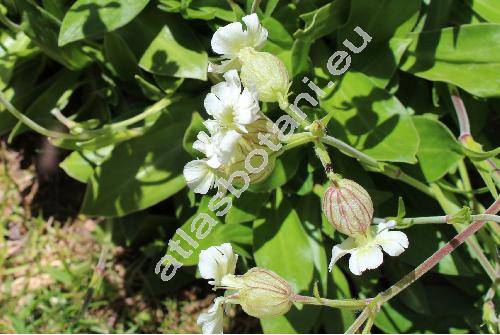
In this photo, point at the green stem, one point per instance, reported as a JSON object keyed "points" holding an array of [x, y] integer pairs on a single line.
{"points": [[395, 172], [255, 6], [349, 150], [341, 303], [32, 124], [406, 222], [324, 157], [296, 140], [157, 107]]}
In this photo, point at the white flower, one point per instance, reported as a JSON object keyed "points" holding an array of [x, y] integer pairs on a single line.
{"points": [[217, 262], [233, 110], [230, 39], [206, 145], [366, 250], [212, 320], [199, 175]]}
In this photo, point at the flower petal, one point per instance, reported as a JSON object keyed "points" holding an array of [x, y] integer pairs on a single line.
{"points": [[229, 40], [199, 176], [393, 242], [256, 34], [247, 108], [339, 250], [216, 262], [227, 143], [224, 66], [213, 105], [211, 321], [364, 258], [386, 225]]}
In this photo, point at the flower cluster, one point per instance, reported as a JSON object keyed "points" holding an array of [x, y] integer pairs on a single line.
{"points": [[237, 121], [349, 208], [260, 292]]}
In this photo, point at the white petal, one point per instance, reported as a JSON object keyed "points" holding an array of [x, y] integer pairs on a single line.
{"points": [[226, 93], [227, 144], [364, 258], [229, 40], [386, 225], [247, 108], [216, 262], [211, 322], [202, 144], [212, 126], [256, 34], [393, 242], [233, 80], [213, 105], [199, 176], [340, 250]]}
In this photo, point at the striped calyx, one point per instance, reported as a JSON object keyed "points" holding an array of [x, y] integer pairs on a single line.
{"points": [[348, 207]]}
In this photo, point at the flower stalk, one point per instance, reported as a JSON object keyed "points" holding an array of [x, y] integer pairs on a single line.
{"points": [[354, 304]]}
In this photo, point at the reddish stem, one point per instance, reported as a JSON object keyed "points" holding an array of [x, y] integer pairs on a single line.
{"points": [[438, 255]]}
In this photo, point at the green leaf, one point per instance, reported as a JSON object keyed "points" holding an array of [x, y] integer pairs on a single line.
{"points": [[119, 55], [375, 18], [81, 165], [371, 120], [43, 29], [88, 18], [467, 56], [381, 56], [439, 152], [153, 171], [237, 234], [274, 235], [487, 9], [175, 51], [285, 169], [56, 95], [323, 21], [246, 208], [190, 136], [337, 321]]}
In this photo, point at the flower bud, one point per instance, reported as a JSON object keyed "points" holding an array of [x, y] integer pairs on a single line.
{"points": [[348, 207], [265, 73], [262, 293]]}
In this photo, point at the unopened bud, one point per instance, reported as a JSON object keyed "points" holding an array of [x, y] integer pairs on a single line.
{"points": [[262, 293], [265, 73], [348, 207]]}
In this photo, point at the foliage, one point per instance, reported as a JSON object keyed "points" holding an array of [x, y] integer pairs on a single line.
{"points": [[127, 78]]}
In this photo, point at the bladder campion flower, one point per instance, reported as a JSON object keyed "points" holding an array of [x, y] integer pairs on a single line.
{"points": [[260, 292], [230, 39], [349, 208]]}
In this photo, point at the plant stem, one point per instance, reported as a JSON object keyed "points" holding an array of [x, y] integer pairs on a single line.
{"points": [[340, 303], [395, 172], [441, 219], [255, 6], [350, 151], [32, 124], [324, 157], [427, 265], [157, 107]]}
